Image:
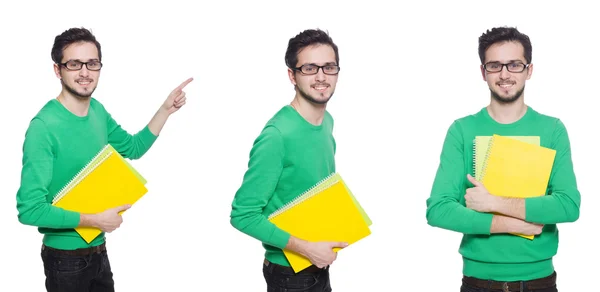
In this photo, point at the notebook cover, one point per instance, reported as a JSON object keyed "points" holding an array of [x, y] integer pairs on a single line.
{"points": [[517, 169], [329, 214], [480, 150], [106, 182]]}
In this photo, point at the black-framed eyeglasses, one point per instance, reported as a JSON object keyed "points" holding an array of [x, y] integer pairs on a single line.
{"points": [[513, 67], [312, 69], [74, 65]]}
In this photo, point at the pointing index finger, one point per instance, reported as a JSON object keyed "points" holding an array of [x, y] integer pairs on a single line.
{"points": [[182, 85]]}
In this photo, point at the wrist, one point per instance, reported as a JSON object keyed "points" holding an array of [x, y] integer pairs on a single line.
{"points": [[163, 112], [298, 245], [88, 220], [497, 204]]}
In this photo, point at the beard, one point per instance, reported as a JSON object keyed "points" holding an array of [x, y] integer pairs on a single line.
{"points": [[78, 95], [312, 99], [509, 99]]}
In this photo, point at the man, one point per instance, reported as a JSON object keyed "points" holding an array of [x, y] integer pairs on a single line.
{"points": [[62, 137], [294, 151], [493, 259]]}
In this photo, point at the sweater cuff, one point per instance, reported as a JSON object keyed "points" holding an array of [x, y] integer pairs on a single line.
{"points": [[71, 219], [280, 238], [482, 223]]}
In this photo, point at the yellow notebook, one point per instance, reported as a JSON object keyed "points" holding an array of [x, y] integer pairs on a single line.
{"points": [[107, 181], [517, 169], [480, 149], [326, 212]]}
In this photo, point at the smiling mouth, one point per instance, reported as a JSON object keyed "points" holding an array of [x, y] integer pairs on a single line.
{"points": [[84, 82], [321, 88], [506, 85]]}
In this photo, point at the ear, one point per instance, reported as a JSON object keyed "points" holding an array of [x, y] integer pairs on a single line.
{"points": [[529, 71], [57, 71], [292, 76], [482, 72]]}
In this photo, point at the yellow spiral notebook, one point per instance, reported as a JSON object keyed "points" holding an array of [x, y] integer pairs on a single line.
{"points": [[516, 169], [326, 212], [480, 150], [107, 181]]}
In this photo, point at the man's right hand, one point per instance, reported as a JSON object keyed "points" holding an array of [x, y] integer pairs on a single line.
{"points": [[106, 221], [320, 253], [505, 224]]}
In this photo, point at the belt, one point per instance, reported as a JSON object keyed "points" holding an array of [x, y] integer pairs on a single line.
{"points": [[77, 252], [310, 269], [516, 286]]}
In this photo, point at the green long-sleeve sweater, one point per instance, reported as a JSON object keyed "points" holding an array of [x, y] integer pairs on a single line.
{"points": [[289, 156], [57, 145], [503, 257]]}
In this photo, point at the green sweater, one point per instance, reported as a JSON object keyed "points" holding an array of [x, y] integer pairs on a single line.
{"points": [[289, 156], [503, 257], [57, 145]]}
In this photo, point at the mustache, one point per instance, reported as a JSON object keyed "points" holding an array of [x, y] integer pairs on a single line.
{"points": [[505, 82], [84, 79], [320, 84]]}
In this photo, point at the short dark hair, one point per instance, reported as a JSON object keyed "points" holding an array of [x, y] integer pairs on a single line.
{"points": [[503, 34], [307, 38], [70, 36]]}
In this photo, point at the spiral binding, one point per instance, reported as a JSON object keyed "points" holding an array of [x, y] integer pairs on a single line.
{"points": [[487, 155], [82, 173], [315, 189], [475, 158]]}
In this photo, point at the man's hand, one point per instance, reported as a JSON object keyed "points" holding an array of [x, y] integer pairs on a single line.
{"points": [[321, 253], [106, 221], [478, 198], [176, 99], [505, 224]]}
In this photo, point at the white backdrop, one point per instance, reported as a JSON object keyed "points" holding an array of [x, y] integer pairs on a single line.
{"points": [[392, 108]]}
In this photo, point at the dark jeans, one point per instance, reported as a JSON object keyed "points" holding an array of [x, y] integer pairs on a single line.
{"points": [[77, 273], [283, 279]]}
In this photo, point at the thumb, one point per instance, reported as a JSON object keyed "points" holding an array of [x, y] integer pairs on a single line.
{"points": [[339, 244], [474, 181], [122, 208]]}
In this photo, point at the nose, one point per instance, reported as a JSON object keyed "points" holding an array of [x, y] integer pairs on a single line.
{"points": [[504, 74], [84, 72], [320, 76]]}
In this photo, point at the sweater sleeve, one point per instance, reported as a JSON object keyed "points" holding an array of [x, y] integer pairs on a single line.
{"points": [[128, 145], [32, 197], [563, 202], [258, 185], [445, 209]]}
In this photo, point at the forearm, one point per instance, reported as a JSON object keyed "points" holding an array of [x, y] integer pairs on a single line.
{"points": [[260, 228], [512, 207], [504, 224], [131, 146], [158, 121], [42, 214], [87, 220], [297, 245], [451, 215], [552, 209]]}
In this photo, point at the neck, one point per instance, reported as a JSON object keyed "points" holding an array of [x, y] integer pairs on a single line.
{"points": [[507, 113], [311, 112], [77, 106]]}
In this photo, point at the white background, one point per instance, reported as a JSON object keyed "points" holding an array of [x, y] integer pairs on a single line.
{"points": [[407, 72]]}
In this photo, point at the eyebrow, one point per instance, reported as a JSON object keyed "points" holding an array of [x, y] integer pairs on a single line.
{"points": [[89, 60], [327, 63], [509, 61]]}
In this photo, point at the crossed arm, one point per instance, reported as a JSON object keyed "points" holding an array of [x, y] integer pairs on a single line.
{"points": [[445, 210]]}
